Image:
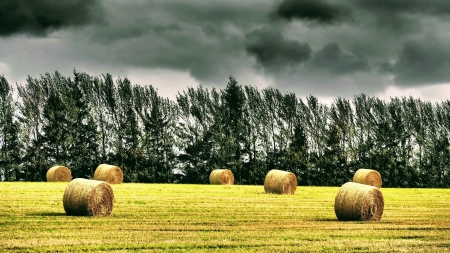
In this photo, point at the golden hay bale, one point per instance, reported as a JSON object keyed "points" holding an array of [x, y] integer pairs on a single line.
{"points": [[367, 176], [281, 182], [59, 174], [88, 197], [109, 173], [359, 202], [221, 176]]}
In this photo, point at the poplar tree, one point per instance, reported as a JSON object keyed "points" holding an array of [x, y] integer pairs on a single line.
{"points": [[31, 104], [10, 146]]}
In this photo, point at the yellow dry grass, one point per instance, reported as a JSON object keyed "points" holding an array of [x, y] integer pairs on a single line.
{"points": [[221, 218]]}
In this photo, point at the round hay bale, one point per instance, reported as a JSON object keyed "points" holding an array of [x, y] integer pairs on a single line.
{"points": [[359, 202], [280, 182], [88, 197], [221, 176], [109, 173], [367, 176], [59, 174]]}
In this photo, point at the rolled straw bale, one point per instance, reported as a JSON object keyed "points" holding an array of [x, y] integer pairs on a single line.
{"points": [[280, 182], [359, 202], [221, 176], [88, 197], [59, 174], [367, 176], [109, 173]]}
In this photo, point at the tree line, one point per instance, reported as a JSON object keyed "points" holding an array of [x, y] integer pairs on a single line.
{"points": [[83, 121]]}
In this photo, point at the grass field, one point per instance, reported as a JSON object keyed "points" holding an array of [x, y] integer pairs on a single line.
{"points": [[205, 218]]}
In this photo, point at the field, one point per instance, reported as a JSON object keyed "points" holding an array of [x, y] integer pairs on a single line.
{"points": [[205, 218]]}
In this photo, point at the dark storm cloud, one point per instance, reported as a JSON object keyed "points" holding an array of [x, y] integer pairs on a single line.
{"points": [[273, 51], [419, 62], [204, 38], [332, 59], [213, 18], [397, 7], [311, 10], [402, 15], [318, 46], [37, 17]]}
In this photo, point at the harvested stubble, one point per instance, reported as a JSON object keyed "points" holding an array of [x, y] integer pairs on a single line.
{"points": [[221, 176], [59, 174], [88, 197], [359, 202], [280, 182], [367, 176], [109, 173]]}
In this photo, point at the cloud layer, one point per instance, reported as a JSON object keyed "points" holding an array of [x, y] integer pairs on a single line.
{"points": [[322, 47], [40, 17]]}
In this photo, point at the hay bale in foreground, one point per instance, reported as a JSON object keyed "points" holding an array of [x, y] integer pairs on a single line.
{"points": [[367, 176], [280, 182], [221, 176], [109, 173], [88, 197], [359, 202], [59, 174]]}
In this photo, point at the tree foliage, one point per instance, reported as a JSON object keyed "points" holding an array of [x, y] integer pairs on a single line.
{"points": [[83, 121]]}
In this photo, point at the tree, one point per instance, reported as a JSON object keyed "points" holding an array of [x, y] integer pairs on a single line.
{"points": [[158, 119], [10, 147], [196, 135], [32, 97], [297, 157], [84, 148], [232, 129], [314, 118], [256, 108]]}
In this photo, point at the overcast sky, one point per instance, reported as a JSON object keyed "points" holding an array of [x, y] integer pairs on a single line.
{"points": [[325, 48]]}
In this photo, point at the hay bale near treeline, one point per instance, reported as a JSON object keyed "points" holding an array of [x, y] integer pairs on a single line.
{"points": [[359, 202], [59, 174], [109, 173], [367, 176], [280, 182], [221, 176], [88, 197]]}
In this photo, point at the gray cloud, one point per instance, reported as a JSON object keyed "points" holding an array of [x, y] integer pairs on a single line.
{"points": [[403, 16], [332, 59], [205, 39], [399, 7], [273, 51], [312, 10], [320, 47], [40, 16], [425, 61]]}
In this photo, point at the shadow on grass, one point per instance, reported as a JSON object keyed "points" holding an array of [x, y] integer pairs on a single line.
{"points": [[47, 214], [325, 219]]}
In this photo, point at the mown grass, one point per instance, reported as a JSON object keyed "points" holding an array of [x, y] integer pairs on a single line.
{"points": [[205, 218]]}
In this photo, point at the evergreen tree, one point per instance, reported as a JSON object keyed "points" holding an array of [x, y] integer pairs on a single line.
{"points": [[84, 146], [232, 130]]}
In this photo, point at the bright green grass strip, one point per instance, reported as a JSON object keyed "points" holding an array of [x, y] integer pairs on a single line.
{"points": [[205, 218]]}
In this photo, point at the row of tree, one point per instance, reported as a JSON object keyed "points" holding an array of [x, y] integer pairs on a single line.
{"points": [[83, 121]]}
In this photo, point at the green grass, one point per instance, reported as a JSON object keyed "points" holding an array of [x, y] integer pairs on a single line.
{"points": [[205, 218]]}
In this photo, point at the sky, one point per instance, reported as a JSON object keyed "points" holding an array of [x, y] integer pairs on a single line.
{"points": [[324, 48]]}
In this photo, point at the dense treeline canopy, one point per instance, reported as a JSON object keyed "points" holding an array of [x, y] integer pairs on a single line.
{"points": [[83, 121]]}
